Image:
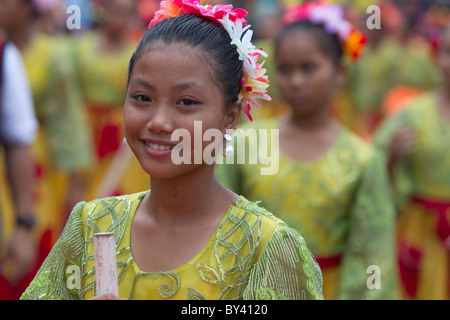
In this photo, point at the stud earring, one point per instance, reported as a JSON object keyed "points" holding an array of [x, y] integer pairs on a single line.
{"points": [[125, 142]]}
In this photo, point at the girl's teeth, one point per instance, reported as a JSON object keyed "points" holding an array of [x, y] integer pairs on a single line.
{"points": [[158, 146]]}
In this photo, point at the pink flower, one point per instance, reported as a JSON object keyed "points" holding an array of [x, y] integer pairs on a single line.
{"points": [[168, 9], [295, 12], [254, 88], [331, 17], [44, 5], [175, 8]]}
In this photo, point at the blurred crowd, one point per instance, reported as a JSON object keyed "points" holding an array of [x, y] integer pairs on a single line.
{"points": [[77, 79]]}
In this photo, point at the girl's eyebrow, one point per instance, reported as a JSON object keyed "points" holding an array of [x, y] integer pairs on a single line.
{"points": [[188, 85], [185, 85], [142, 82]]}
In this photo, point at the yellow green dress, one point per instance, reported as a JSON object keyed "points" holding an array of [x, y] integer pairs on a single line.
{"points": [[381, 70], [422, 186], [251, 255], [103, 81], [340, 203]]}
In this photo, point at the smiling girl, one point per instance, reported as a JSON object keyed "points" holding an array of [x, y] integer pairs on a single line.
{"points": [[189, 237]]}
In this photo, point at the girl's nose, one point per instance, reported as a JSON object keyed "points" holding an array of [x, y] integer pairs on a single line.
{"points": [[161, 120], [297, 79]]}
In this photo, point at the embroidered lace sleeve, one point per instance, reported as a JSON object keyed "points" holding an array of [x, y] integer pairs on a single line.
{"points": [[401, 183], [368, 268], [286, 270], [59, 277]]}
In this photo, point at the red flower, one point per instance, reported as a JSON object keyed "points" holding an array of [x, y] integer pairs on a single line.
{"points": [[175, 8]]}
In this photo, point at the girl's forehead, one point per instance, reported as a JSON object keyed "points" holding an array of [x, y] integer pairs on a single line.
{"points": [[169, 55], [175, 53], [174, 63], [300, 38], [298, 42]]}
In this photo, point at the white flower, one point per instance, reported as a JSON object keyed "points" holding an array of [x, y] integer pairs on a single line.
{"points": [[241, 38], [332, 18]]}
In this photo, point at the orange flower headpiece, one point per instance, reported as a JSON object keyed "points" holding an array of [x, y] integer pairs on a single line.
{"points": [[331, 17], [254, 82]]}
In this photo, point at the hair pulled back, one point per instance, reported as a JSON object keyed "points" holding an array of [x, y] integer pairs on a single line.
{"points": [[330, 44]]}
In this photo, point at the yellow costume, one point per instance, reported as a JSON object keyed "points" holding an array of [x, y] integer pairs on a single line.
{"points": [[62, 144], [251, 255], [103, 80], [383, 69], [340, 203], [422, 185], [61, 147]]}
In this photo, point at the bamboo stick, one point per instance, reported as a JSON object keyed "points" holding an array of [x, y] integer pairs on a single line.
{"points": [[105, 264], [115, 172]]}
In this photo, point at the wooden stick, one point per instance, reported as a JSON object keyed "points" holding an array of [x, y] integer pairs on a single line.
{"points": [[105, 264], [115, 172]]}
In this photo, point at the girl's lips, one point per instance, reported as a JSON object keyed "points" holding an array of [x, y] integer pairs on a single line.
{"points": [[298, 98]]}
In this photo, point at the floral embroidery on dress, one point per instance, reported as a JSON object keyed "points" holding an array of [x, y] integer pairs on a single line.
{"points": [[247, 241]]}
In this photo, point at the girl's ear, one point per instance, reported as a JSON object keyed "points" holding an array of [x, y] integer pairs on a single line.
{"points": [[232, 115]]}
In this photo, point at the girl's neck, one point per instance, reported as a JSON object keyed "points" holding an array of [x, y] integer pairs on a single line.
{"points": [[177, 199], [314, 122], [308, 141]]}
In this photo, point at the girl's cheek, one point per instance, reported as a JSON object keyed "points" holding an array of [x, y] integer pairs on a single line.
{"points": [[131, 119]]}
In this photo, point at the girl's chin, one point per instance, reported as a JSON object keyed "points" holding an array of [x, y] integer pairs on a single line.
{"points": [[170, 171]]}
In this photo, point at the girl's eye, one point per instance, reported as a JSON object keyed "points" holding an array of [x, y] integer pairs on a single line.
{"points": [[283, 70], [309, 68], [141, 98], [187, 102], [446, 51]]}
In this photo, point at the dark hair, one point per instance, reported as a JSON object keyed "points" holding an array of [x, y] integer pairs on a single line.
{"points": [[35, 14], [329, 43], [209, 36]]}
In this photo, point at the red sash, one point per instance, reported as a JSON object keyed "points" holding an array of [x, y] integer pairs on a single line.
{"points": [[107, 136], [409, 257], [440, 208], [328, 262]]}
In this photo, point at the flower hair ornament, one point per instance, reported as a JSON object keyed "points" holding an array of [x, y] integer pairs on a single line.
{"points": [[331, 17], [44, 5], [254, 82]]}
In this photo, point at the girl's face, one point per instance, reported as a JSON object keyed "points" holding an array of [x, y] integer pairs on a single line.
{"points": [[443, 59], [171, 87], [14, 13], [306, 76], [118, 15]]}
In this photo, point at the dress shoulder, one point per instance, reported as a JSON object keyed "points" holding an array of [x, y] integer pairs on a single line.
{"points": [[285, 268], [110, 214]]}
